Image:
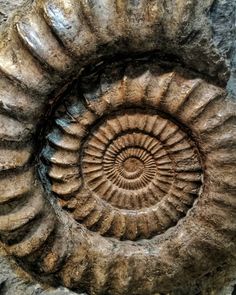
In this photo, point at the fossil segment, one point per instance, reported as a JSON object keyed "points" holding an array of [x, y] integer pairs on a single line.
{"points": [[38, 37], [158, 130], [28, 222]]}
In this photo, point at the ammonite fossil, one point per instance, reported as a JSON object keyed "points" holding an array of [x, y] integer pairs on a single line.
{"points": [[124, 168], [116, 178]]}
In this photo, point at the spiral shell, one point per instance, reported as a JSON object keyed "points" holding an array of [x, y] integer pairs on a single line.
{"points": [[146, 155], [137, 170]]}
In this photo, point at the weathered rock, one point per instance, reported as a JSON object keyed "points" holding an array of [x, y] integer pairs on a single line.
{"points": [[224, 31]]}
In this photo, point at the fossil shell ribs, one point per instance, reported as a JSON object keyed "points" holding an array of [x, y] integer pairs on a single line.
{"points": [[126, 157]]}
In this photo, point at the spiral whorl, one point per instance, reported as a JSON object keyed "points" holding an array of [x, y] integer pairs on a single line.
{"points": [[134, 166]]}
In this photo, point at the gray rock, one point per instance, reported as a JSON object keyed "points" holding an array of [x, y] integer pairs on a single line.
{"points": [[223, 17], [60, 291]]}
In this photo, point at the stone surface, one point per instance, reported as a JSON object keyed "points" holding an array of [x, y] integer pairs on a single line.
{"points": [[14, 281], [223, 14], [61, 233], [8, 7]]}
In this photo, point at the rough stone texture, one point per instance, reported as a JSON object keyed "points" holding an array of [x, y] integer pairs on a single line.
{"points": [[14, 281], [222, 16], [8, 7]]}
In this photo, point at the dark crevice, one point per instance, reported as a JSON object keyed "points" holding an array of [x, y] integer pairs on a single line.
{"points": [[234, 291]]}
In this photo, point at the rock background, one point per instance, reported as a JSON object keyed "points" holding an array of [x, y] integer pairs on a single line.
{"points": [[222, 18]]}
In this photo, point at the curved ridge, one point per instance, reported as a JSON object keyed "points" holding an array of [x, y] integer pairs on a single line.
{"points": [[37, 36], [26, 218]]}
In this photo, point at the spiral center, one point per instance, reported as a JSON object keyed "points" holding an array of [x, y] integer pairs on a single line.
{"points": [[133, 165]]}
